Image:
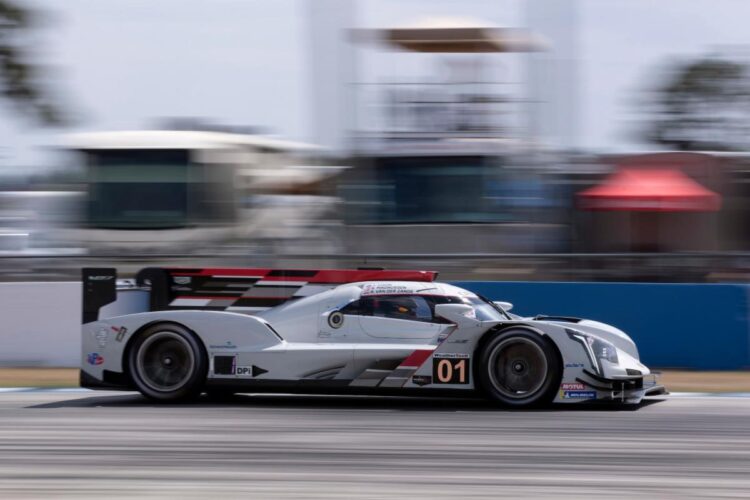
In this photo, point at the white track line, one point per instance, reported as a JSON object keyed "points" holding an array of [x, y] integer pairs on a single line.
{"points": [[709, 394], [43, 389]]}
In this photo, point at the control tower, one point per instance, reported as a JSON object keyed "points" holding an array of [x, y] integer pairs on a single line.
{"points": [[443, 154], [460, 97]]}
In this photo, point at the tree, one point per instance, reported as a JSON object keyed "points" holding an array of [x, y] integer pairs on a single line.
{"points": [[21, 81], [702, 105]]}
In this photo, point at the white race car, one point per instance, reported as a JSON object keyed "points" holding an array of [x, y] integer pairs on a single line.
{"points": [[175, 333]]}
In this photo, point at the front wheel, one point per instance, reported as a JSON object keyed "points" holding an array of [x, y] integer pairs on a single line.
{"points": [[519, 368], [168, 363]]}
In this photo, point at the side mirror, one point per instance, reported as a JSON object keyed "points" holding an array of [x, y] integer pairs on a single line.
{"points": [[460, 314], [505, 306]]}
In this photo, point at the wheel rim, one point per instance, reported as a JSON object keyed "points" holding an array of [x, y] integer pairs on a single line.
{"points": [[165, 361], [518, 368]]}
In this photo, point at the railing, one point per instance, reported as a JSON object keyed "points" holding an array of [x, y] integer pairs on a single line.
{"points": [[645, 267], [438, 109]]}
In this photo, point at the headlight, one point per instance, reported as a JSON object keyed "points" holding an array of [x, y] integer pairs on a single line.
{"points": [[596, 348], [603, 349]]}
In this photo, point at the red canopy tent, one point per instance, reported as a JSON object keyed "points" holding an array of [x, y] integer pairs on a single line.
{"points": [[657, 190]]}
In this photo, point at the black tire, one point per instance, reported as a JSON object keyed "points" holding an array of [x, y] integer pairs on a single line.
{"points": [[518, 368], [168, 363]]}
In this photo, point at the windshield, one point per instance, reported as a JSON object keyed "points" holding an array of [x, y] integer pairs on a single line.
{"points": [[486, 309]]}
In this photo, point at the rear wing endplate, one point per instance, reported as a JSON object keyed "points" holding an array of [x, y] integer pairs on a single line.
{"points": [[99, 289]]}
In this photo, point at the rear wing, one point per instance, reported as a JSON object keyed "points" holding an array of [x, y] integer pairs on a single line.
{"points": [[244, 290]]}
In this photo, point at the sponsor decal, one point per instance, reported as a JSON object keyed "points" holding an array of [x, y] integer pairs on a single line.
{"points": [[182, 280], [227, 365], [462, 341], [385, 289], [100, 277], [101, 336], [450, 368], [421, 380], [227, 345], [578, 394], [451, 355], [250, 371], [573, 365], [121, 331], [244, 370], [576, 386], [94, 358], [336, 319]]}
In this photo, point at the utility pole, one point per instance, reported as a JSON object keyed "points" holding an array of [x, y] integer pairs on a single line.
{"points": [[554, 104]]}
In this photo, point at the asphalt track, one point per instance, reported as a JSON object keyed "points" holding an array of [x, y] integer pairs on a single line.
{"points": [[112, 445]]}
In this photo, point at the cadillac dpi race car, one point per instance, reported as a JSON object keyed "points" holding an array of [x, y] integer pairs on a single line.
{"points": [[175, 333]]}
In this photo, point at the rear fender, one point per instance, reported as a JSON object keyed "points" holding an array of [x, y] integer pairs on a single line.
{"points": [[104, 343]]}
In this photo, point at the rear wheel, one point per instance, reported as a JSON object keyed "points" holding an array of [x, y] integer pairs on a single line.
{"points": [[519, 368], [168, 363]]}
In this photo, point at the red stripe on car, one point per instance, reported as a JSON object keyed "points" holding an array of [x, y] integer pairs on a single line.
{"points": [[328, 276], [416, 358]]}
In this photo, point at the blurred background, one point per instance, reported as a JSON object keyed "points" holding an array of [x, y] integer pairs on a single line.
{"points": [[586, 158], [585, 140]]}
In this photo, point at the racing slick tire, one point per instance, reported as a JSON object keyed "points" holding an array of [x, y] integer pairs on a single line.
{"points": [[518, 368], [167, 363]]}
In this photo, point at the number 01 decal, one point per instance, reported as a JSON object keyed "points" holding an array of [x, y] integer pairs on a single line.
{"points": [[450, 369]]}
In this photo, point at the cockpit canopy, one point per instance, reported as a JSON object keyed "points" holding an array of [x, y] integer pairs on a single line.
{"points": [[417, 301]]}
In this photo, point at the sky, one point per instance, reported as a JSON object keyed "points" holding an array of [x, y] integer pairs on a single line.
{"points": [[124, 64]]}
